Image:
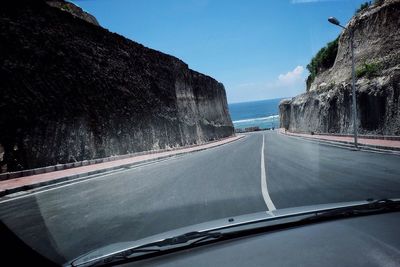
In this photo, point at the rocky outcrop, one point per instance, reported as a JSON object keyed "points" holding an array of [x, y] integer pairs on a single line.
{"points": [[71, 91], [74, 10], [326, 107]]}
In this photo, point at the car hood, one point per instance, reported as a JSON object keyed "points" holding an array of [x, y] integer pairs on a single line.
{"points": [[209, 226]]}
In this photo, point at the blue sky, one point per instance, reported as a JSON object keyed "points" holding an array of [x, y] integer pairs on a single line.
{"points": [[258, 49]]}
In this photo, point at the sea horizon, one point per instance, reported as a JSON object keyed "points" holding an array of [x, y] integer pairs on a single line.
{"points": [[258, 100], [260, 113]]}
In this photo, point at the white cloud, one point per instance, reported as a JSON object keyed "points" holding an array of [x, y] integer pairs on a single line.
{"points": [[292, 77], [286, 84]]}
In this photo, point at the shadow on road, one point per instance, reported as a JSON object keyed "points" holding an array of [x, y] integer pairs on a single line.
{"points": [[63, 244]]}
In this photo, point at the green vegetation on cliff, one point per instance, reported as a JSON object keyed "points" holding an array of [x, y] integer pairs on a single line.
{"points": [[363, 6], [323, 60], [368, 70], [325, 57], [367, 4]]}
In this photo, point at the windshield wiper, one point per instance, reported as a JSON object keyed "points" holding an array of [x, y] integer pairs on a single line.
{"points": [[196, 237], [187, 239], [375, 206]]}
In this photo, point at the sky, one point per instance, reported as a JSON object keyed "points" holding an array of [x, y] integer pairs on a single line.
{"points": [[258, 49]]}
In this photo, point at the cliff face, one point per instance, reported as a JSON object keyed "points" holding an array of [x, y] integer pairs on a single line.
{"points": [[326, 107], [73, 91]]}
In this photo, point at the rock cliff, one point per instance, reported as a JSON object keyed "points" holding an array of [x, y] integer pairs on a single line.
{"points": [[73, 9], [326, 107], [71, 91]]}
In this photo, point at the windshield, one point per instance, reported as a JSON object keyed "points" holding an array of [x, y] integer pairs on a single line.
{"points": [[121, 119]]}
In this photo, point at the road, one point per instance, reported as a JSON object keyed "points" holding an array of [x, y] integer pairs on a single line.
{"points": [[67, 221]]}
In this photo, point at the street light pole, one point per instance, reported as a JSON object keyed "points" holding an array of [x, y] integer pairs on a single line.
{"points": [[353, 82], [336, 22]]}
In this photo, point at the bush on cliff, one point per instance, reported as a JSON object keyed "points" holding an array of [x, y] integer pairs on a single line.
{"points": [[323, 60], [368, 70], [363, 6], [367, 4]]}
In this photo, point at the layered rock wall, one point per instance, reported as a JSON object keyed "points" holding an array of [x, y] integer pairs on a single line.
{"points": [[72, 91], [326, 107]]}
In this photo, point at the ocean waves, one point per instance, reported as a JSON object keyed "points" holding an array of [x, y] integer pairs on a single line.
{"points": [[267, 119], [261, 122], [262, 114]]}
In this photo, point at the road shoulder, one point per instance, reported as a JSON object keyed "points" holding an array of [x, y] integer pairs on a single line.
{"points": [[369, 145], [25, 183]]}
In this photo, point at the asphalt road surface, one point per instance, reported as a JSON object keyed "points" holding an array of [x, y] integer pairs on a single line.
{"points": [[65, 222]]}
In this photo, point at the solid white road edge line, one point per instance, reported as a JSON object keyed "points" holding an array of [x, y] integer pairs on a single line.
{"points": [[264, 188]]}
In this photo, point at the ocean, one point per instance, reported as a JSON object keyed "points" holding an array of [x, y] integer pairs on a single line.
{"points": [[263, 113]]}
